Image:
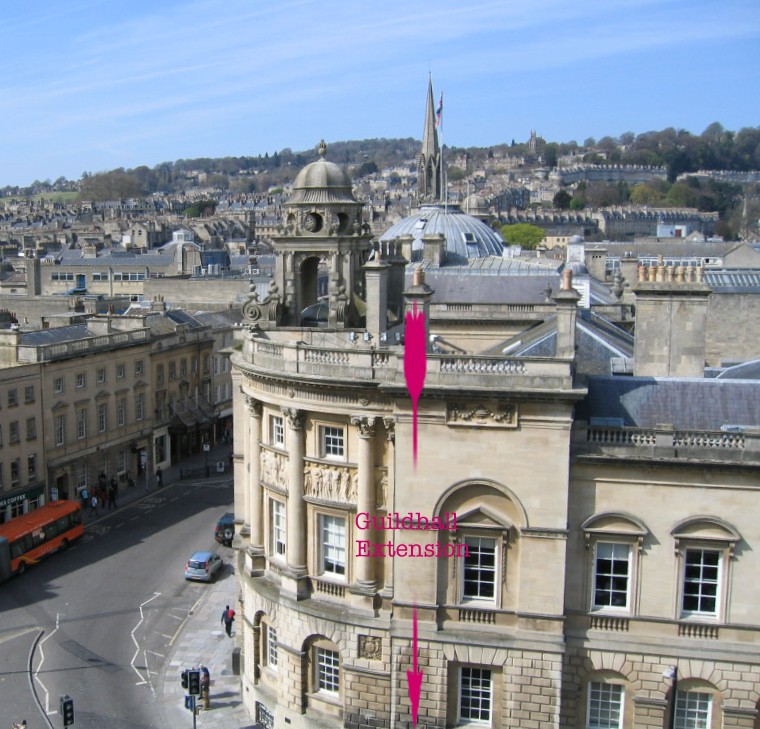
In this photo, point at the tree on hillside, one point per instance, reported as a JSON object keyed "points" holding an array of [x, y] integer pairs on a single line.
{"points": [[562, 200], [523, 234]]}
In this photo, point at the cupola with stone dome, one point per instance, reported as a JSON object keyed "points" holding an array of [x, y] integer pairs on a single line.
{"points": [[323, 201], [320, 247]]}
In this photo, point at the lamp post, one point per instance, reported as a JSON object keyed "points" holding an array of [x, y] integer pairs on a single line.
{"points": [[206, 449]]}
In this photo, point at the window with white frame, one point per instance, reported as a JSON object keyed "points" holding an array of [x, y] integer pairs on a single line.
{"points": [[612, 576], [332, 531], [120, 371], [276, 431], [701, 582], [80, 380], [29, 394], [101, 375], [605, 706], [139, 406], [121, 461], [31, 428], [693, 709], [31, 467], [13, 432], [60, 429], [270, 646], [278, 545], [331, 442], [12, 397], [614, 541], [139, 367], [327, 666], [475, 695], [81, 423], [58, 385], [121, 411], [479, 569], [15, 472], [102, 417]]}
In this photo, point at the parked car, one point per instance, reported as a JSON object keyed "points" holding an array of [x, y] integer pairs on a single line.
{"points": [[225, 529], [203, 566]]}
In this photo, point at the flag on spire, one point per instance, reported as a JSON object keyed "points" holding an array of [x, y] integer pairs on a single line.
{"points": [[439, 111]]}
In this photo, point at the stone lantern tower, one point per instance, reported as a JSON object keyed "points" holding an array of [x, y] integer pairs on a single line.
{"points": [[321, 235]]}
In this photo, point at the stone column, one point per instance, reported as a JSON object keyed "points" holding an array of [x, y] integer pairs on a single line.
{"points": [[365, 499], [294, 582], [253, 464]]}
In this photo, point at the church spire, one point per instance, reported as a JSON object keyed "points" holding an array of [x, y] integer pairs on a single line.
{"points": [[429, 163]]}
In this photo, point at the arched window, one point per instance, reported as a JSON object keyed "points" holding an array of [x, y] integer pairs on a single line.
{"points": [[614, 541], [704, 547]]}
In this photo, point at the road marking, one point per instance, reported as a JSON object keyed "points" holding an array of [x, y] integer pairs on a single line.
{"points": [[137, 645], [42, 660]]}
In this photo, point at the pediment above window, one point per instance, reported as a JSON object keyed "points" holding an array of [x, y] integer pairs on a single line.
{"points": [[616, 524], [708, 528], [482, 517]]}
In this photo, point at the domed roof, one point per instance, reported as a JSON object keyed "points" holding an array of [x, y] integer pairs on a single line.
{"points": [[466, 236], [322, 182]]}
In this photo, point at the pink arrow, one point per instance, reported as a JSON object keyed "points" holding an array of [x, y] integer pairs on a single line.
{"points": [[414, 678], [415, 364]]}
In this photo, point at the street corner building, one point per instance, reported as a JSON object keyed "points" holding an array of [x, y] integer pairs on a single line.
{"points": [[602, 568]]}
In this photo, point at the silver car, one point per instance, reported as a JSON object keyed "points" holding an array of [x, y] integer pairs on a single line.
{"points": [[203, 566]]}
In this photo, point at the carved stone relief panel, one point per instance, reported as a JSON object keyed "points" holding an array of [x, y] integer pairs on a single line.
{"points": [[274, 469], [330, 483], [491, 414]]}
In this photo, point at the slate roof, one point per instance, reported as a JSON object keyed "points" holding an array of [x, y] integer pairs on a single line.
{"points": [[55, 335], [686, 403]]}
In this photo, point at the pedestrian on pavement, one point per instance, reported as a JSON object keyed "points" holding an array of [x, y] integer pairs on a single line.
{"points": [[113, 492], [205, 687], [228, 615], [159, 477], [94, 504]]}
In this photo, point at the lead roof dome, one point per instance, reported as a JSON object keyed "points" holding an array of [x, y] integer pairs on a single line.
{"points": [[322, 182], [466, 236]]}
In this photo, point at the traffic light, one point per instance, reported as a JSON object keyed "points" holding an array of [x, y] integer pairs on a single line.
{"points": [[194, 681], [67, 710], [184, 679]]}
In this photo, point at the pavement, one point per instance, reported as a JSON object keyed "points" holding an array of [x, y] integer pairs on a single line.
{"points": [[201, 639]]}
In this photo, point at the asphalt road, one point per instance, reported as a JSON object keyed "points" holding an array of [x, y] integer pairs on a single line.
{"points": [[97, 621]]}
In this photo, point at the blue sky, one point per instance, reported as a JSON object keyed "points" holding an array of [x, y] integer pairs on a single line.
{"points": [[90, 86]]}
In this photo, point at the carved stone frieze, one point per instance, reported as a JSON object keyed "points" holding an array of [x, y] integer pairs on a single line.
{"points": [[330, 483], [482, 414], [274, 469]]}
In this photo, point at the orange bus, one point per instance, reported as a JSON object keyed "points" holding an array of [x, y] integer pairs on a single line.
{"points": [[26, 539]]}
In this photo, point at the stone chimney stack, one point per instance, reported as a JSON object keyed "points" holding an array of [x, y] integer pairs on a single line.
{"points": [[671, 318], [376, 282], [420, 293], [566, 301]]}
